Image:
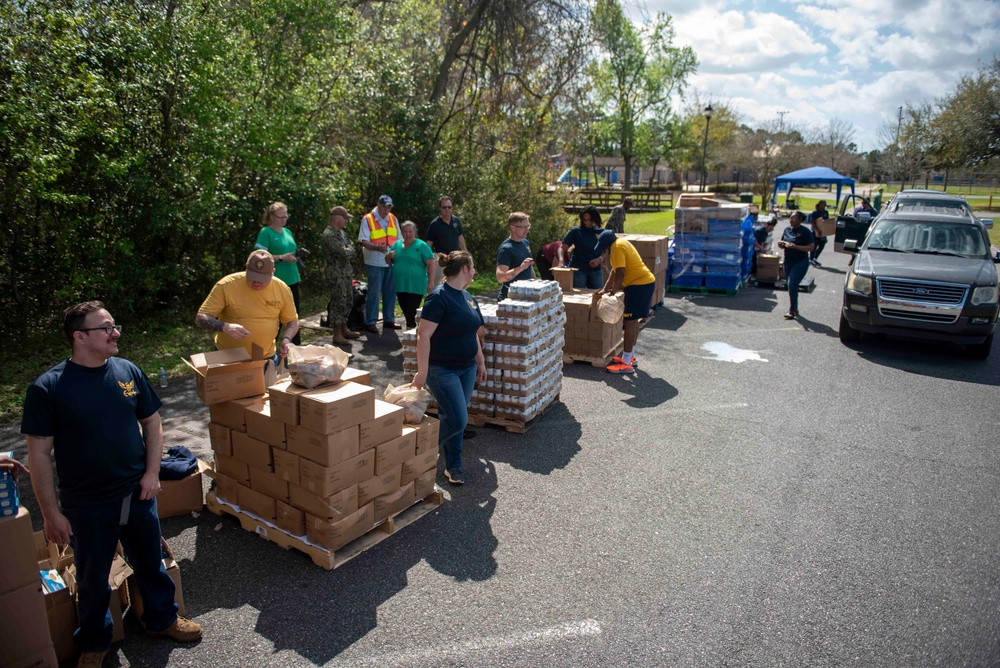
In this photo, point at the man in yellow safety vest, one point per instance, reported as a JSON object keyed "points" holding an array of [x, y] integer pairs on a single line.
{"points": [[379, 231]]}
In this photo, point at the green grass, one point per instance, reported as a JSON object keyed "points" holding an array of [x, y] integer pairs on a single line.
{"points": [[649, 223]]}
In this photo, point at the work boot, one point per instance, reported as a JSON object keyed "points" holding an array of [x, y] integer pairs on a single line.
{"points": [[338, 338], [91, 660], [182, 630], [348, 333]]}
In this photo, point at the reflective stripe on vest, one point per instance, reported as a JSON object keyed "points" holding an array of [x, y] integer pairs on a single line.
{"points": [[378, 234]]}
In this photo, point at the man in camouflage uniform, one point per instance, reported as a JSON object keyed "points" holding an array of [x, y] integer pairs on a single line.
{"points": [[339, 270]]}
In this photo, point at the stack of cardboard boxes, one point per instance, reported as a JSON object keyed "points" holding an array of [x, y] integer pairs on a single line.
{"points": [[653, 251], [709, 244], [587, 336], [327, 464], [24, 628], [523, 351]]}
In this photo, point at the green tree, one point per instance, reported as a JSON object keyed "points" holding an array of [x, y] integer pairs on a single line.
{"points": [[639, 74], [968, 123]]}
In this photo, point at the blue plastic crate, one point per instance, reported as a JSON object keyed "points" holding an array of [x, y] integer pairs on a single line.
{"points": [[690, 241], [722, 268], [724, 254], [719, 228], [720, 282], [688, 280]]}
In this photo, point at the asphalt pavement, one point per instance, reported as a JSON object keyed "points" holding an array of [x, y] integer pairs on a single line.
{"points": [[758, 494]]}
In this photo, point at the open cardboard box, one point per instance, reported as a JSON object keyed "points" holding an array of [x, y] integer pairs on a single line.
{"points": [[173, 570], [180, 497], [228, 374]]}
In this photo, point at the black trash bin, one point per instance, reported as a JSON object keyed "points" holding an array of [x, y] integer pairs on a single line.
{"points": [[746, 198]]}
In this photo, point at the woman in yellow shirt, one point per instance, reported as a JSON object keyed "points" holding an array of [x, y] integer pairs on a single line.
{"points": [[630, 274]]}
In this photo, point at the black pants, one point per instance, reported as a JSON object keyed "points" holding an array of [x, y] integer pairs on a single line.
{"points": [[544, 267], [409, 302]]}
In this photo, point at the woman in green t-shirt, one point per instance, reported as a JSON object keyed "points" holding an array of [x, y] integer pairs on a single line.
{"points": [[412, 263], [277, 240]]}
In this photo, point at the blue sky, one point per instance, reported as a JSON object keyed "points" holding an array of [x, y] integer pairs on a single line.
{"points": [[856, 60]]}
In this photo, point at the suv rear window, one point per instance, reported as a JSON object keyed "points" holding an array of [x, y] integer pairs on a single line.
{"points": [[924, 237]]}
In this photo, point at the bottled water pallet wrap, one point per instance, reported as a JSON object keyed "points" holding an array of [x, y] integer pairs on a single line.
{"points": [[711, 242]]}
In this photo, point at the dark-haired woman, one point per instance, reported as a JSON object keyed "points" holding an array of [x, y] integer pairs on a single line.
{"points": [[450, 354], [583, 239]]}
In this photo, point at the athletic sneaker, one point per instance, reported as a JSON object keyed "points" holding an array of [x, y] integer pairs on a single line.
{"points": [[620, 360], [619, 367], [455, 477]]}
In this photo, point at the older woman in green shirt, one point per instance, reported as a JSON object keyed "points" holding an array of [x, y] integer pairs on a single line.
{"points": [[413, 271], [277, 239]]}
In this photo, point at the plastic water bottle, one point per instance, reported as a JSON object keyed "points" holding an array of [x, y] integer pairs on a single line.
{"points": [[163, 377]]}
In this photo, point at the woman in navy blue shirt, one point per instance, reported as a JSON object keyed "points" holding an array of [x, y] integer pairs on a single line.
{"points": [[797, 242], [450, 354], [583, 239]]}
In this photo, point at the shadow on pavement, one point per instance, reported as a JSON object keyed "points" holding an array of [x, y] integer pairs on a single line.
{"points": [[549, 445], [647, 391], [816, 327], [762, 299], [931, 359]]}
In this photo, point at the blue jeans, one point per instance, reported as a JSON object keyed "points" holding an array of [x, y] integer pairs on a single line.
{"points": [[380, 284], [96, 533], [452, 389], [591, 278], [794, 274], [820, 244]]}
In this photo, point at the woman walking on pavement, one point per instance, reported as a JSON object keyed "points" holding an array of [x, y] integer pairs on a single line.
{"points": [[450, 354], [797, 242]]}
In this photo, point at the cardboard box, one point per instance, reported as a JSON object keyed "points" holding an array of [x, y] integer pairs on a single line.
{"points": [[262, 426], [228, 489], [825, 227], [252, 452], [389, 504], [357, 376], [337, 407], [395, 452], [286, 466], [43, 658], [414, 467], [381, 484], [337, 534], [424, 485], [227, 374], [387, 425], [284, 400], [232, 468], [335, 506], [18, 561], [173, 570], [564, 277], [268, 483], [768, 267], [256, 503], [220, 436], [180, 497], [24, 628], [231, 413], [325, 449], [326, 481], [119, 603], [428, 432], [60, 610], [290, 519]]}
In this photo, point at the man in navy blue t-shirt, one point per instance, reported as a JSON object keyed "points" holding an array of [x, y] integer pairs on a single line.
{"points": [[514, 255], [88, 409]]}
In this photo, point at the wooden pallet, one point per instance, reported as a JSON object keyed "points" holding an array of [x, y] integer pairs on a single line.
{"points": [[692, 290], [595, 361], [512, 425], [320, 556]]}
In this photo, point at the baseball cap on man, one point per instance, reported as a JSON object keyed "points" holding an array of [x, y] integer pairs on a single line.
{"points": [[604, 241], [260, 266], [385, 200], [339, 211]]}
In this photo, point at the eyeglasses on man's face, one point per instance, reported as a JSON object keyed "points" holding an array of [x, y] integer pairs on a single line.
{"points": [[107, 329]]}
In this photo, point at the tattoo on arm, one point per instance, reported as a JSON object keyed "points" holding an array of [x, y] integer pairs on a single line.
{"points": [[206, 321]]}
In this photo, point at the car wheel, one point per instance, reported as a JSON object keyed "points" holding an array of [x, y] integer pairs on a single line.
{"points": [[847, 333], [980, 351]]}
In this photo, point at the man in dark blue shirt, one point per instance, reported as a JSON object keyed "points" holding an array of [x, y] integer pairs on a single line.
{"points": [[797, 242], [514, 255], [444, 234], [89, 409]]}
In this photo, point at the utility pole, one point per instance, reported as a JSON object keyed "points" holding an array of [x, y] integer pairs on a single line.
{"points": [[781, 121], [895, 147]]}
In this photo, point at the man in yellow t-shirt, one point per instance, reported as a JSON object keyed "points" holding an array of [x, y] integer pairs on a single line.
{"points": [[630, 274], [246, 307]]}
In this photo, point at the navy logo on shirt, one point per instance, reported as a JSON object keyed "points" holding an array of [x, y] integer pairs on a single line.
{"points": [[128, 389]]}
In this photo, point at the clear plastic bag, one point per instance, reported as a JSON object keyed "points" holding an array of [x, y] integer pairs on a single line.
{"points": [[413, 401], [312, 366], [611, 308]]}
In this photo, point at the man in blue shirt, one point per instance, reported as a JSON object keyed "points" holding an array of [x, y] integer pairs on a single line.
{"points": [[89, 409], [514, 255], [444, 234]]}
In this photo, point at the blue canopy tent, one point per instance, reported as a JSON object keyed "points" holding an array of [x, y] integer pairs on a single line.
{"points": [[811, 176]]}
